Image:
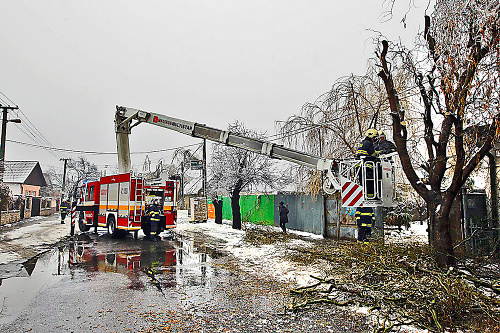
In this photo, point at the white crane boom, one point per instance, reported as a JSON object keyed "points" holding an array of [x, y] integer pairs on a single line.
{"points": [[337, 173]]}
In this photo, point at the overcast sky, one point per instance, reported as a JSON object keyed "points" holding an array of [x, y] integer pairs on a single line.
{"points": [[68, 63]]}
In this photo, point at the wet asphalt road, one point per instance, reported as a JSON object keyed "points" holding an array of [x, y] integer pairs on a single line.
{"points": [[182, 284]]}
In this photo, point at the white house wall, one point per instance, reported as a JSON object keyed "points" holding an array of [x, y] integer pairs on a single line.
{"points": [[15, 188]]}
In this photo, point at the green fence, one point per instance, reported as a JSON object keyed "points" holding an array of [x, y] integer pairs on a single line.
{"points": [[254, 208]]}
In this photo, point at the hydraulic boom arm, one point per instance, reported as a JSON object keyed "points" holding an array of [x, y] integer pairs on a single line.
{"points": [[123, 123]]}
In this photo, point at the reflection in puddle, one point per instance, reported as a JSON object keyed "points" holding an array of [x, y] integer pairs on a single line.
{"points": [[181, 265]]}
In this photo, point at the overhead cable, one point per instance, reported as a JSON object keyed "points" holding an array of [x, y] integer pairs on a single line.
{"points": [[94, 152]]}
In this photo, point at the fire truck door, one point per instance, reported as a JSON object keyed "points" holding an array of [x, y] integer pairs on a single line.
{"points": [[103, 202], [123, 202], [112, 200]]}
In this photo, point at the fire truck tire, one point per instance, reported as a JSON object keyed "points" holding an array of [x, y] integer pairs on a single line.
{"points": [[112, 230], [81, 223]]}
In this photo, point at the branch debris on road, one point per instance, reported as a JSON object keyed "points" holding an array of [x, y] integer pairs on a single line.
{"points": [[398, 284]]}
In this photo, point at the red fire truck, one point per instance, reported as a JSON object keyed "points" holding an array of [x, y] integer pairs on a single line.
{"points": [[120, 203]]}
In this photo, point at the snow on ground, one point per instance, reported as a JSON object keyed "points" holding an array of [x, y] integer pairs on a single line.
{"points": [[275, 264], [416, 233], [31, 236], [36, 233]]}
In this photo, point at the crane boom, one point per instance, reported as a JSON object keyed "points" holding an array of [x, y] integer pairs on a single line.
{"points": [[339, 175], [124, 117]]}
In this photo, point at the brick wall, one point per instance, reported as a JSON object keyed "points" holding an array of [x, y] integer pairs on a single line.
{"points": [[46, 212], [10, 217]]}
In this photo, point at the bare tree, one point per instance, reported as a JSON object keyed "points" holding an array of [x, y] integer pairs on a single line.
{"points": [[78, 171], [54, 183], [335, 124], [456, 74], [232, 170]]}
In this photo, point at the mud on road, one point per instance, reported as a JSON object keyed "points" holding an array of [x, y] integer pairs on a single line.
{"points": [[191, 282]]}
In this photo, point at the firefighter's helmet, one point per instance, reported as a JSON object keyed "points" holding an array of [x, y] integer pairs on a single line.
{"points": [[371, 133], [381, 133]]}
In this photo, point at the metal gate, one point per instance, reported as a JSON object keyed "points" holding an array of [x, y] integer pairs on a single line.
{"points": [[35, 206], [480, 232], [339, 221]]}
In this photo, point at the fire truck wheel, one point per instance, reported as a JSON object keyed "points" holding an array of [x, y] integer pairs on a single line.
{"points": [[81, 223], [112, 230]]}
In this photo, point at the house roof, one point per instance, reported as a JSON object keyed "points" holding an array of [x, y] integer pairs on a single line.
{"points": [[24, 172]]}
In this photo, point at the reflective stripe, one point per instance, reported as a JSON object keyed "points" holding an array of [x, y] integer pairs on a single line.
{"points": [[366, 225]]}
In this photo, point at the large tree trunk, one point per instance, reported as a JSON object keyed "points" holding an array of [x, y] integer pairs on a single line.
{"points": [[442, 243], [235, 207], [439, 231], [218, 205]]}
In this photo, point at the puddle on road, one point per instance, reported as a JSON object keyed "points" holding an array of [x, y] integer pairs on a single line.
{"points": [[181, 263]]}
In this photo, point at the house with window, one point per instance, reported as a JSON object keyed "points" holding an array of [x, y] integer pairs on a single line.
{"points": [[24, 177]]}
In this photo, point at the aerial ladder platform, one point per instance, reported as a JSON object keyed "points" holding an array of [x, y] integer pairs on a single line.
{"points": [[349, 177]]}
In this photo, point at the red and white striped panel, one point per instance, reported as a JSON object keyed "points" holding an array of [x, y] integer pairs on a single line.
{"points": [[352, 194], [73, 214]]}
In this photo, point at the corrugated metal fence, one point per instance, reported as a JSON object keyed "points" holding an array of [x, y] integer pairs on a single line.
{"points": [[310, 213]]}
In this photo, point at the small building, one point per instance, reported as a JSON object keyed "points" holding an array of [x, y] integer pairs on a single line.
{"points": [[24, 177]]}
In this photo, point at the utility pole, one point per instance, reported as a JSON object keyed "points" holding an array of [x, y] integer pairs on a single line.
{"points": [[5, 109], [204, 175], [204, 170], [183, 205], [64, 176], [321, 154]]}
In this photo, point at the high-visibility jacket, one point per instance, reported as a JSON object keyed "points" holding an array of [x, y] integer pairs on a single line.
{"points": [[365, 217], [366, 148], [64, 207], [154, 214]]}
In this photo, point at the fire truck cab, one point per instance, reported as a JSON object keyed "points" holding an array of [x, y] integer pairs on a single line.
{"points": [[120, 203]]}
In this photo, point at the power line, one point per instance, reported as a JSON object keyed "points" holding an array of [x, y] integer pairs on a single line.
{"points": [[30, 128], [34, 127], [7, 98], [95, 152], [32, 137]]}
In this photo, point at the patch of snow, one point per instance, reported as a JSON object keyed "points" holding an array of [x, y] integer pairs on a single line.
{"points": [[276, 264], [44, 230], [416, 233], [7, 257]]}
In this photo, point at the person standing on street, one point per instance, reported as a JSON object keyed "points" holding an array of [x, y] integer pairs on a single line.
{"points": [[283, 216], [218, 210], [154, 220], [64, 210], [365, 218]]}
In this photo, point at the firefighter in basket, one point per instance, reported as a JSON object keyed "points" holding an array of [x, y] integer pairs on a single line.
{"points": [[384, 146], [154, 220], [367, 153]]}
